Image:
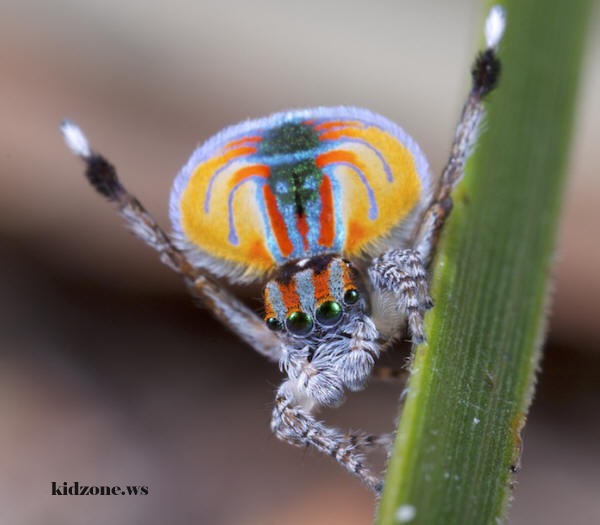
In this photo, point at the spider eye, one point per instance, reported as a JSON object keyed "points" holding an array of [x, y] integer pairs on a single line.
{"points": [[299, 323], [329, 312], [274, 324], [351, 296]]}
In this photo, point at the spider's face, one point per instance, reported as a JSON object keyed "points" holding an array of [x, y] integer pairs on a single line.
{"points": [[310, 299]]}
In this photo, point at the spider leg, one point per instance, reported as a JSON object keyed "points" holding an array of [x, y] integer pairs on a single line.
{"points": [[402, 273], [485, 74], [236, 316], [293, 423], [231, 312], [364, 441]]}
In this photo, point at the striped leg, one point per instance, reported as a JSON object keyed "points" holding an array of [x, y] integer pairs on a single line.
{"points": [[295, 425], [485, 74], [403, 273], [364, 441], [231, 312]]}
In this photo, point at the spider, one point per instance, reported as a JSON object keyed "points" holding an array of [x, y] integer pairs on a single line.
{"points": [[336, 209]]}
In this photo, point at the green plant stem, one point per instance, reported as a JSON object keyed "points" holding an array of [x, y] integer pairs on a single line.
{"points": [[459, 434]]}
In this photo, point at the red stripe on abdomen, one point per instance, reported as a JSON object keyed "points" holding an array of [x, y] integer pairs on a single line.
{"points": [[277, 223], [326, 218]]}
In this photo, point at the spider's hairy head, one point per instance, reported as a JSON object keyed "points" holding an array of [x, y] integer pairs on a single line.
{"points": [[311, 298]]}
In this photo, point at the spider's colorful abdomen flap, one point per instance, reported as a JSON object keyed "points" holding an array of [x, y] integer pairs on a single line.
{"points": [[296, 184]]}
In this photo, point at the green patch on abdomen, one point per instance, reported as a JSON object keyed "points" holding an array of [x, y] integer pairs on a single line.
{"points": [[296, 183], [292, 137]]}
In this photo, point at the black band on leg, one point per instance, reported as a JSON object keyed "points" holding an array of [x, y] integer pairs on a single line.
{"points": [[103, 177], [485, 72]]}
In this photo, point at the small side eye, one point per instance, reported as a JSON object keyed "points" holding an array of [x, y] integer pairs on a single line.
{"points": [[274, 324], [351, 296], [329, 312], [299, 323]]}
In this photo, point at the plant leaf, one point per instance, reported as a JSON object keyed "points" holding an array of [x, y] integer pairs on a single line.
{"points": [[459, 433]]}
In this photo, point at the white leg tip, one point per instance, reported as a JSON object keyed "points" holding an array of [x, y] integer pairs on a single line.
{"points": [[494, 26], [75, 139]]}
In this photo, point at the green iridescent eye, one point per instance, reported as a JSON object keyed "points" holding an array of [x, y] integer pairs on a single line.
{"points": [[351, 296], [329, 312], [274, 324], [299, 323]]}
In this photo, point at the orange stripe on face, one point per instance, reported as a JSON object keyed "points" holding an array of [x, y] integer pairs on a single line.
{"points": [[277, 223], [242, 141], [336, 123], [326, 218], [269, 312], [348, 281], [302, 226], [290, 297], [321, 284]]}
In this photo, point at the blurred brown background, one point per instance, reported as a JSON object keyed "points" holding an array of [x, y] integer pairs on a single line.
{"points": [[110, 376]]}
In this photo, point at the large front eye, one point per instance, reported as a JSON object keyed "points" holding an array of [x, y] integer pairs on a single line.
{"points": [[299, 323], [329, 312]]}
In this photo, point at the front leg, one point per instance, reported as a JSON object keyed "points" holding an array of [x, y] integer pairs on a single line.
{"points": [[402, 273], [485, 74], [232, 313], [293, 423]]}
